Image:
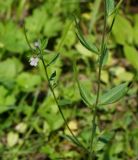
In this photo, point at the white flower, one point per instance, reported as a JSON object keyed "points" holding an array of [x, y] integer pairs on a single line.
{"points": [[34, 61], [36, 44]]}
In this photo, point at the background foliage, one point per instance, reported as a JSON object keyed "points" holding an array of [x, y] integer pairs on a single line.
{"points": [[30, 124]]}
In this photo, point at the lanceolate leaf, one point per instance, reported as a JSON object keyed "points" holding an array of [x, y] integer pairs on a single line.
{"points": [[64, 102], [90, 47], [44, 43], [83, 41], [72, 139], [53, 75], [103, 56], [53, 59], [110, 6], [113, 21], [114, 94], [85, 95]]}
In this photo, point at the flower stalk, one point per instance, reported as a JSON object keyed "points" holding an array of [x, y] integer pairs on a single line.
{"points": [[33, 62]]}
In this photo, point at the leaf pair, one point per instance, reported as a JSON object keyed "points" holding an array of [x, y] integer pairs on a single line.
{"points": [[111, 96]]}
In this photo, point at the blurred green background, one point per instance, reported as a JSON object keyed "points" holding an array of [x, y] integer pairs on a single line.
{"points": [[31, 127]]}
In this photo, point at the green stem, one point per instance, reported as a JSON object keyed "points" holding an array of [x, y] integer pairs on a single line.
{"points": [[60, 110], [52, 90], [27, 40], [98, 89]]}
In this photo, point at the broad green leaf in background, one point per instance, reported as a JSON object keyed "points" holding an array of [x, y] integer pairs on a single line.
{"points": [[69, 92], [110, 6], [52, 26], [12, 37], [135, 30], [5, 108], [121, 75], [9, 70], [116, 148], [21, 127], [28, 81], [10, 100], [48, 106], [12, 138], [114, 94], [132, 55], [48, 109], [99, 146], [5, 6], [122, 30], [3, 91], [35, 23], [7, 100]]}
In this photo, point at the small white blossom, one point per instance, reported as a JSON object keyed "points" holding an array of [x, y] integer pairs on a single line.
{"points": [[36, 44], [34, 61]]}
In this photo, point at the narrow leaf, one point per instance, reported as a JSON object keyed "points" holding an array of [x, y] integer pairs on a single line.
{"points": [[110, 6], [103, 56], [114, 94], [90, 47], [83, 41], [113, 21], [53, 59], [64, 102], [85, 95], [44, 43], [72, 139], [106, 137], [53, 75]]}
